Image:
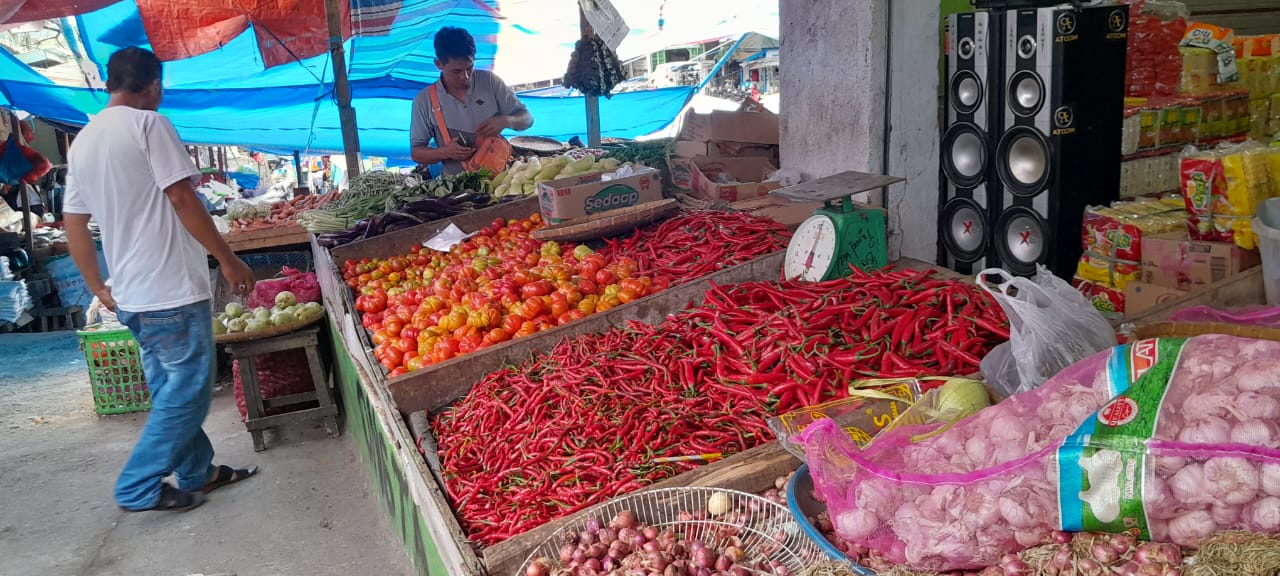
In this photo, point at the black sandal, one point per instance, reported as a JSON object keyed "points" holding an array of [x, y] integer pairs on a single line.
{"points": [[174, 500], [228, 475]]}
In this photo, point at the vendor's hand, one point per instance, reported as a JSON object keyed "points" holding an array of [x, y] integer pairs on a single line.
{"points": [[456, 151], [493, 126], [239, 276], [104, 296]]}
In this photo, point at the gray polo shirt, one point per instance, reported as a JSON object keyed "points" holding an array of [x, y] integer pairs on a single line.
{"points": [[487, 97]]}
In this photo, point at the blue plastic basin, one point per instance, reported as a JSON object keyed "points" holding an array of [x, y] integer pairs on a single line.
{"points": [[803, 506]]}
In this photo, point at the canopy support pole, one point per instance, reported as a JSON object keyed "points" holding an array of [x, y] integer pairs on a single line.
{"points": [[297, 171], [593, 102], [342, 88]]}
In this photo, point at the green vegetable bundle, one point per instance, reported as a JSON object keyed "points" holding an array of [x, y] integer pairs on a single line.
{"points": [[380, 192]]}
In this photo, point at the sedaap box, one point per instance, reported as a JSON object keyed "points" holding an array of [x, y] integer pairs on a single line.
{"points": [[581, 196]]}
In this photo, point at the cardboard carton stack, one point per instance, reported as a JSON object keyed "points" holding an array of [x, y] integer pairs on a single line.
{"points": [[726, 155]]}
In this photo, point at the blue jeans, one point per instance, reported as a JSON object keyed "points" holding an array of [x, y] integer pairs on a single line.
{"points": [[178, 360]]}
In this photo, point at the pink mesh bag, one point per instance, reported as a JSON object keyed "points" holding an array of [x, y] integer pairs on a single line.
{"points": [[1171, 440]]}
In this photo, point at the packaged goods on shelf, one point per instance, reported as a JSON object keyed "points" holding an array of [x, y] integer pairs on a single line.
{"points": [[1221, 189], [1208, 57], [1154, 62], [1166, 124], [1147, 176]]}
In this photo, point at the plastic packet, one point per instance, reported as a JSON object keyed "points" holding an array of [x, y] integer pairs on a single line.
{"points": [[862, 416]]}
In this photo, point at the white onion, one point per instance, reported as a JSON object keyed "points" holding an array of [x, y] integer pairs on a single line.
{"points": [[1254, 433], [1189, 485], [1206, 430], [1264, 515], [1190, 528], [1231, 479], [1258, 405], [1270, 478]]}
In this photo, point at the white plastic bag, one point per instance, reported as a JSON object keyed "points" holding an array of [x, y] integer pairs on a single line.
{"points": [[1051, 326]]}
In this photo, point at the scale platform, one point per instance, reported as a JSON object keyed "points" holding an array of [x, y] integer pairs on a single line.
{"points": [[837, 238], [836, 186]]}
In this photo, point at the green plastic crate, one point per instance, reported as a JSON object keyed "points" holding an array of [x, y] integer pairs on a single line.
{"points": [[115, 370]]}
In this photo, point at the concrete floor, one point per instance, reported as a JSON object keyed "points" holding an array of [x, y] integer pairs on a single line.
{"points": [[309, 512]]}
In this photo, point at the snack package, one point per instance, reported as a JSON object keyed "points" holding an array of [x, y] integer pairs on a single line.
{"points": [[1153, 61], [1109, 301]]}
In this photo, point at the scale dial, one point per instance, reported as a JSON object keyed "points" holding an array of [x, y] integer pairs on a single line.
{"points": [[812, 249]]}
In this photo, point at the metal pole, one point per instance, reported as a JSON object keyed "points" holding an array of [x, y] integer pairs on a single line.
{"points": [[593, 102], [342, 89], [299, 183]]}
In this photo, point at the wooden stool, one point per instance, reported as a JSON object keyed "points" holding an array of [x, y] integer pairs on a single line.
{"points": [[247, 353]]}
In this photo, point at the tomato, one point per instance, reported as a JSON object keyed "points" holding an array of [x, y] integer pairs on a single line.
{"points": [[625, 295], [575, 315], [511, 324], [399, 371], [532, 308], [588, 286], [405, 344], [410, 332], [498, 335], [634, 285], [526, 329], [393, 326], [380, 336], [605, 277], [538, 288], [391, 358], [414, 363], [588, 304], [559, 307]]}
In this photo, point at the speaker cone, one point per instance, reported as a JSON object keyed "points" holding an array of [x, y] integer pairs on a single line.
{"points": [[966, 91], [1024, 161], [964, 155], [1021, 237], [1026, 93], [964, 229]]}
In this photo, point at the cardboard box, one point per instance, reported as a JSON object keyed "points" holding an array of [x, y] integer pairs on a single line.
{"points": [[1172, 261], [580, 196], [1140, 296], [748, 173], [751, 123], [679, 165], [690, 149]]}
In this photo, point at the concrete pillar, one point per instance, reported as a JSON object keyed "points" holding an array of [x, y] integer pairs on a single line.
{"points": [[853, 76]]}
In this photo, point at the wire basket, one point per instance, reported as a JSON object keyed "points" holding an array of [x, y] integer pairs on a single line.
{"points": [[766, 530]]}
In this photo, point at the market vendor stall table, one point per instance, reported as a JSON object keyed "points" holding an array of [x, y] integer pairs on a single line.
{"points": [[247, 352], [270, 238]]}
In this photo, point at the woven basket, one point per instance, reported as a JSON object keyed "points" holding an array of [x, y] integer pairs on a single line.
{"points": [[611, 223], [1189, 329]]}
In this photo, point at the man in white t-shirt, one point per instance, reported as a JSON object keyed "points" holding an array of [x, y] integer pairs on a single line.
{"points": [[128, 171]]}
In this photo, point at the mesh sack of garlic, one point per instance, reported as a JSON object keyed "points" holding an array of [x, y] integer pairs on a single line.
{"points": [[1170, 439]]}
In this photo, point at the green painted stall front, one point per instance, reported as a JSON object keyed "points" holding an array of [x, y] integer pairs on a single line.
{"points": [[377, 451]]}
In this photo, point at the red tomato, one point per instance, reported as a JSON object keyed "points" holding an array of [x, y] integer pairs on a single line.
{"points": [[605, 277]]}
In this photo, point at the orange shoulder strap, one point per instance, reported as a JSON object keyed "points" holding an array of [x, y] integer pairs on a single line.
{"points": [[445, 137]]}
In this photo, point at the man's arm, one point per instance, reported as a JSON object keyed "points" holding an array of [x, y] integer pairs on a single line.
{"points": [[85, 254], [195, 218], [517, 114]]}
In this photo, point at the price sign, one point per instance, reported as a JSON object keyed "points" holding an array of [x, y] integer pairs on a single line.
{"points": [[605, 21]]}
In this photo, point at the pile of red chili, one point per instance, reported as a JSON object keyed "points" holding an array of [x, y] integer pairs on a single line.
{"points": [[585, 422], [695, 244]]}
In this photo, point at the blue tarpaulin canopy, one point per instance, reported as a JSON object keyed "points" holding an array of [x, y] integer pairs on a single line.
{"points": [[227, 96]]}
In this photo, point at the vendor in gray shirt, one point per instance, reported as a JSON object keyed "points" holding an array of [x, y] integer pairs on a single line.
{"points": [[475, 104]]}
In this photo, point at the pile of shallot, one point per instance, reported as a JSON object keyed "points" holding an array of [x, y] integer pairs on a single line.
{"points": [[626, 546], [965, 498]]}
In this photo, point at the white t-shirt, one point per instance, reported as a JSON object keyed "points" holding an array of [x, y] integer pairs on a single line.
{"points": [[117, 170]]}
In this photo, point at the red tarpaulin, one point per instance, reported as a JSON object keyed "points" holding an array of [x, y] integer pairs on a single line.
{"points": [[285, 29]]}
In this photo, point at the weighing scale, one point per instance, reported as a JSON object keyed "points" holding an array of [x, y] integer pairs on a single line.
{"points": [[840, 233]]}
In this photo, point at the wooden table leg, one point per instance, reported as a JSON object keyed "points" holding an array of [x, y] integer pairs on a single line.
{"points": [[321, 382], [252, 399]]}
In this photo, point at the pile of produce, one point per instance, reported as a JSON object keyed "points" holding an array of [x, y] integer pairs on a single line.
{"points": [[626, 545], [584, 422], [427, 307], [247, 216], [405, 200], [594, 69], [1190, 423], [287, 312], [693, 245], [651, 153], [523, 177]]}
